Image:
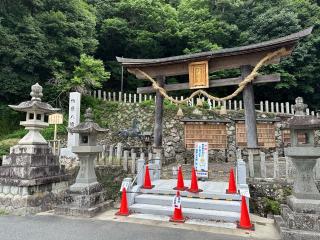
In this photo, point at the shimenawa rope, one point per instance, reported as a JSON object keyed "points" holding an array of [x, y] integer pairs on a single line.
{"points": [[241, 86]]}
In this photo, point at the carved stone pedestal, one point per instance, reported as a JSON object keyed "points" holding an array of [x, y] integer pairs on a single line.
{"points": [[87, 202], [299, 223], [86, 196], [31, 180], [300, 218]]}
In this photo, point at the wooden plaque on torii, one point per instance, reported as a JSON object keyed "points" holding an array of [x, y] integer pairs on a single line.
{"points": [[198, 75]]}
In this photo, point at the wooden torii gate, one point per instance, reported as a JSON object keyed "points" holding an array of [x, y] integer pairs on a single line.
{"points": [[199, 65]]}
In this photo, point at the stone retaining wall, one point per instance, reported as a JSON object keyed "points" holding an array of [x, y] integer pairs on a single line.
{"points": [[118, 116], [268, 195]]}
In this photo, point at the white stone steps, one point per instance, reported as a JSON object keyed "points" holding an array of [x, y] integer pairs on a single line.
{"points": [[205, 195], [205, 214], [196, 203]]}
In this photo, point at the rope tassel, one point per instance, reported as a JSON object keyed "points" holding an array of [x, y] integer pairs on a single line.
{"points": [[180, 112]]}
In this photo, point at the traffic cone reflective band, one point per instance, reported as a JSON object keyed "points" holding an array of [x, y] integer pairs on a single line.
{"points": [[124, 210], [147, 180], [244, 222], [194, 182], [180, 183], [232, 189], [177, 214]]}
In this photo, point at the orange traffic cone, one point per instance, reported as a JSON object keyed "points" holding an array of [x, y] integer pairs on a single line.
{"points": [[194, 183], [245, 222], [124, 210], [180, 183], [177, 214], [147, 180], [232, 189]]}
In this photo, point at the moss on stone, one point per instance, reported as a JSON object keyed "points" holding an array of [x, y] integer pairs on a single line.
{"points": [[111, 178]]}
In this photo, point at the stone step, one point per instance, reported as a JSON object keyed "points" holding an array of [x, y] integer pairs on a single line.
{"points": [[205, 195], [192, 213], [196, 203]]}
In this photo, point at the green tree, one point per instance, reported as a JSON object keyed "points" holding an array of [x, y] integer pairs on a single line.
{"points": [[40, 40], [264, 20], [88, 75], [135, 28], [201, 30]]}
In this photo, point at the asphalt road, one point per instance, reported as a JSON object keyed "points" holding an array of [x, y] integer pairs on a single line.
{"points": [[54, 227]]}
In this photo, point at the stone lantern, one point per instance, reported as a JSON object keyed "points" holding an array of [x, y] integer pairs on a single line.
{"points": [[300, 218], [31, 177], [304, 155], [87, 151], [36, 112], [86, 196]]}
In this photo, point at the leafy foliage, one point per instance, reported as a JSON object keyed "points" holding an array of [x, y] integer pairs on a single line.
{"points": [[89, 74], [41, 41]]}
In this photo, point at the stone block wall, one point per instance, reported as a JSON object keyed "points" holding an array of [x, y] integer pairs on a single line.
{"points": [[173, 136], [268, 194], [118, 116]]}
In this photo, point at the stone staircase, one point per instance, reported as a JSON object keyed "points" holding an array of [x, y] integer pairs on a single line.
{"points": [[211, 204]]}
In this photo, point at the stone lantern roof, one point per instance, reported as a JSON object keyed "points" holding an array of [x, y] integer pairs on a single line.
{"points": [[300, 120], [88, 126], [35, 103]]}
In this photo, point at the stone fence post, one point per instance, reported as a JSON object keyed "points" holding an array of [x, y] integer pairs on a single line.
{"points": [[133, 162], [119, 153], [263, 165], [111, 151], [140, 171], [251, 165], [276, 165], [241, 173], [125, 160], [157, 164]]}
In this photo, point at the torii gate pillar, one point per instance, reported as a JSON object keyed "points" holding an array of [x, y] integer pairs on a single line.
{"points": [[251, 121], [158, 119], [249, 108]]}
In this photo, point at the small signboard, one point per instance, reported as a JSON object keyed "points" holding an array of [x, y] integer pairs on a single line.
{"points": [[56, 118], [198, 75], [176, 202], [125, 184], [201, 159]]}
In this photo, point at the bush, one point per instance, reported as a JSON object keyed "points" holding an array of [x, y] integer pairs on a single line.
{"points": [[169, 106], [6, 144], [15, 134], [111, 178], [147, 104], [9, 119], [271, 206]]}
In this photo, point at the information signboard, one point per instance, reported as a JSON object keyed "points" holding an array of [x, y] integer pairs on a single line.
{"points": [[201, 159], [56, 118]]}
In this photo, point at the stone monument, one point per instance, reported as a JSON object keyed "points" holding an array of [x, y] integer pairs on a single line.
{"points": [[31, 179], [300, 218], [66, 154], [86, 196]]}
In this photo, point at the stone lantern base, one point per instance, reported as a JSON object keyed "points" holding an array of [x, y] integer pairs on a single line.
{"points": [[87, 202], [300, 219], [31, 180]]}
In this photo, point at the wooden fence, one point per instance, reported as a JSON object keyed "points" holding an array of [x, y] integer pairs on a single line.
{"points": [[264, 106]]}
